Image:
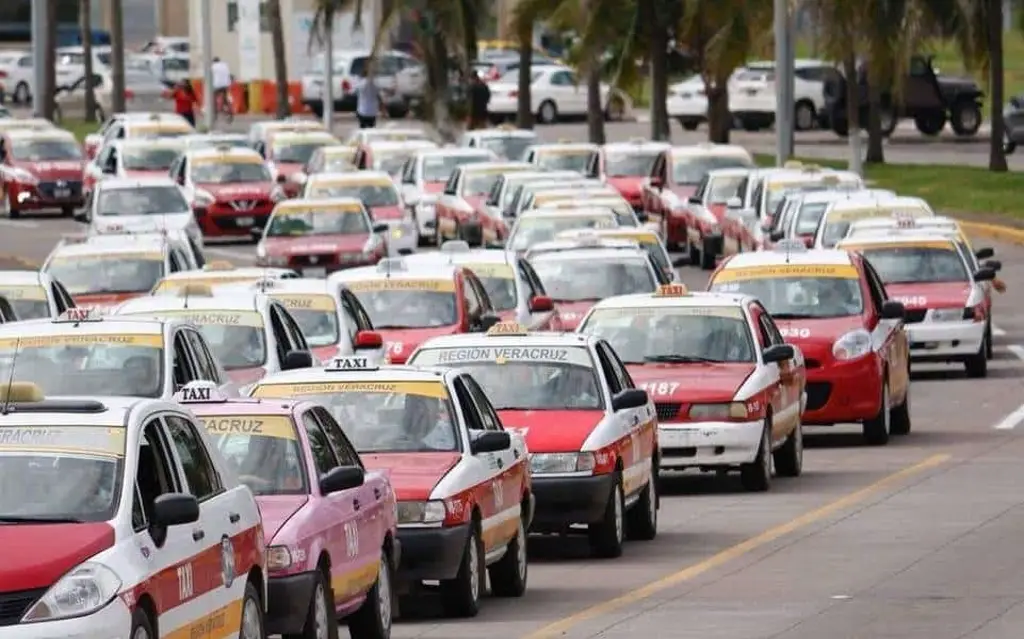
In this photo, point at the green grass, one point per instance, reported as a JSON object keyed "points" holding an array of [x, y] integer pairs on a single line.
{"points": [[968, 192], [80, 128]]}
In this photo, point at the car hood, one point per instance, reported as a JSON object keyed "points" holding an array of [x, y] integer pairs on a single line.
{"points": [[248, 190], [433, 188], [36, 556], [143, 223], [399, 343], [69, 170], [140, 173], [318, 244], [413, 475], [930, 295], [288, 168], [276, 510], [815, 337], [386, 213], [572, 312], [629, 186], [552, 431], [689, 383]]}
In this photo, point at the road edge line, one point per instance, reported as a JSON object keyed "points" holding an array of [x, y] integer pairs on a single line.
{"points": [[561, 626], [994, 231]]}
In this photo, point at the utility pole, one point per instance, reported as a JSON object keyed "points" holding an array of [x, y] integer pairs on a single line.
{"points": [[783, 83], [209, 108], [38, 57]]}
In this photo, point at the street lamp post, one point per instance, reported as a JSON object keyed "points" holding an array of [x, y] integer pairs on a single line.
{"points": [[38, 56], [783, 83]]}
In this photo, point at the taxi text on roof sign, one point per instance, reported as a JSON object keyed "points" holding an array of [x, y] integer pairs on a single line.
{"points": [[896, 243], [841, 271], [392, 284], [105, 441], [575, 355], [47, 341], [671, 290], [276, 426], [205, 317], [423, 389], [77, 315], [306, 302], [352, 364], [200, 392], [879, 210], [507, 328]]}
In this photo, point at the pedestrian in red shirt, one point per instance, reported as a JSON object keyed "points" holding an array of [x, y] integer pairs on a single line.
{"points": [[185, 101]]}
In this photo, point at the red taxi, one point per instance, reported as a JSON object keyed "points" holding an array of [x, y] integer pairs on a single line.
{"points": [[231, 189], [316, 237], [380, 196], [626, 166], [409, 305], [714, 227], [674, 178], [834, 307], [40, 169], [460, 211], [388, 155], [287, 152], [729, 393]]}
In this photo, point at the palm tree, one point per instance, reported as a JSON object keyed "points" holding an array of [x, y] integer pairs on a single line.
{"points": [[116, 56], [280, 62], [85, 18], [322, 34], [44, 95]]}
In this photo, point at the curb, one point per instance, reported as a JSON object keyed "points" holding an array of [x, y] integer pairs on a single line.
{"points": [[994, 231], [21, 261]]}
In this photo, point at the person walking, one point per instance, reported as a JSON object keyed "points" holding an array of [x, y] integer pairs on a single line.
{"points": [[185, 101], [222, 81], [368, 102], [479, 99]]}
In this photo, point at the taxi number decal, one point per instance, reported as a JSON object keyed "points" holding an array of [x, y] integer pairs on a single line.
{"points": [[913, 300], [260, 425], [394, 348], [351, 539], [186, 585], [660, 389], [44, 341], [499, 494], [790, 331], [306, 302], [424, 389], [841, 271], [391, 284]]}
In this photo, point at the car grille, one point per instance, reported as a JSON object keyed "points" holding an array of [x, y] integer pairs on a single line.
{"points": [[811, 363], [47, 189], [667, 410], [817, 394], [323, 259], [14, 605], [230, 223], [244, 206], [914, 316]]}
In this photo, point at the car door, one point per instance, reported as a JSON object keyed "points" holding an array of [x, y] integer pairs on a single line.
{"points": [[639, 423], [889, 335], [565, 89], [783, 390]]}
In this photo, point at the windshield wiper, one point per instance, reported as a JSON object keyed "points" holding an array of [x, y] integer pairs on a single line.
{"points": [[680, 359], [14, 519], [791, 316], [393, 326]]}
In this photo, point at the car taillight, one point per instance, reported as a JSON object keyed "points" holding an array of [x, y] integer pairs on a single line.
{"points": [[346, 86]]}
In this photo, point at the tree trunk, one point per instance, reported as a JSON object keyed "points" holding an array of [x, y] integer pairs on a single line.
{"points": [[595, 110], [996, 152], [280, 61], [659, 83], [875, 154], [719, 118], [45, 94], [853, 114], [328, 93], [85, 20], [117, 98], [438, 89], [524, 106], [470, 24]]}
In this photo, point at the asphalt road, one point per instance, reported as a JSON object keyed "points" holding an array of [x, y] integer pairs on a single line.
{"points": [[918, 539]]}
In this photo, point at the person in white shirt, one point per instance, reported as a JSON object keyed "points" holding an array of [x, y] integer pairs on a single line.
{"points": [[222, 80]]}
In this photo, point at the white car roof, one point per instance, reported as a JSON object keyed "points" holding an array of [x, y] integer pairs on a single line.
{"points": [[213, 275], [639, 144], [692, 299], [146, 143], [460, 151], [224, 153], [350, 177], [113, 244], [627, 252], [220, 300], [39, 134], [811, 257], [704, 149], [22, 278], [897, 239], [494, 167], [824, 197], [927, 224], [568, 213], [290, 286], [399, 269], [563, 147], [457, 257], [564, 245], [107, 325], [501, 133], [115, 414], [412, 144], [117, 183], [385, 373], [731, 172]]}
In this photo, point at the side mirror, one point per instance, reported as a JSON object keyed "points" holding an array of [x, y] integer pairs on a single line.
{"points": [[734, 203], [341, 478], [892, 309], [778, 353], [297, 359], [629, 398], [81, 215], [984, 253], [490, 441], [281, 179], [487, 320], [541, 304], [175, 509], [694, 200], [368, 340], [985, 275], [995, 265], [657, 183], [777, 236], [641, 216], [256, 233], [381, 228], [412, 199]]}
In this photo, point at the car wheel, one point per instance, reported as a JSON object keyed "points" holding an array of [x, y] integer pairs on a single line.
{"points": [[989, 349], [756, 476], [977, 365], [508, 574], [373, 618], [252, 626], [607, 535], [547, 113], [877, 429], [320, 617], [642, 518], [142, 625], [900, 417], [789, 458], [460, 597], [804, 116], [689, 124], [965, 118], [930, 123]]}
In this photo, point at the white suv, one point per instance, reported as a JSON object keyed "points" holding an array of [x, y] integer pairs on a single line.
{"points": [[349, 71], [752, 94]]}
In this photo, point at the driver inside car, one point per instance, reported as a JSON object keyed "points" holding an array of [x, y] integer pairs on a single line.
{"points": [[426, 424], [267, 469]]}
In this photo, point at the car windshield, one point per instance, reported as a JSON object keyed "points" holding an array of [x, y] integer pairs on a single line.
{"points": [[236, 338], [383, 416], [297, 152], [45, 150], [633, 164], [500, 282], [692, 169], [912, 264], [29, 302], [263, 450], [322, 222], [141, 200], [564, 160], [525, 378], [60, 474], [479, 183], [723, 188], [509, 147], [571, 280], [153, 158], [438, 168], [87, 365], [391, 305], [391, 163], [808, 217], [316, 315], [107, 274], [640, 335], [799, 296], [339, 164], [229, 172], [371, 195], [535, 229]]}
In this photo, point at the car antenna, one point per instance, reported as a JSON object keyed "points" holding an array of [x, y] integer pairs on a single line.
{"points": [[6, 408]]}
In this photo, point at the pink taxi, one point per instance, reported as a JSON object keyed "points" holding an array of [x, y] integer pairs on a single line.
{"points": [[330, 526]]}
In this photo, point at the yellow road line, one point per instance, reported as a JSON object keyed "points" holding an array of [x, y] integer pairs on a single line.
{"points": [[734, 552]]}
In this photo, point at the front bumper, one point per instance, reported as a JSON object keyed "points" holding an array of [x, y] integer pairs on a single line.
{"points": [[691, 109], [44, 195], [222, 221], [563, 501], [842, 392], [431, 553], [114, 621], [686, 445], [945, 340], [288, 600]]}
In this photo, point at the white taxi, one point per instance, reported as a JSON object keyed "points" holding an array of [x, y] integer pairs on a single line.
{"points": [[120, 126], [592, 436], [126, 520], [647, 238], [425, 175], [562, 156], [82, 353], [34, 294], [840, 214], [574, 199], [543, 225], [729, 393], [377, 193], [220, 272], [251, 334], [507, 142], [462, 481], [133, 159]]}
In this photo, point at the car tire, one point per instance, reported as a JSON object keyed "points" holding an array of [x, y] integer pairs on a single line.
{"points": [[899, 419], [877, 429], [642, 518], [67, 211], [707, 258], [607, 535], [804, 116], [749, 125], [142, 625], [547, 113], [756, 476], [460, 597], [320, 617], [789, 458], [253, 624], [509, 574], [976, 365], [930, 123], [689, 124], [989, 348], [965, 118], [374, 617]]}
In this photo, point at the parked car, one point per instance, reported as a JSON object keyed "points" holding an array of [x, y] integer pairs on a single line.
{"points": [[349, 70], [17, 76], [752, 94], [556, 93], [143, 92]]}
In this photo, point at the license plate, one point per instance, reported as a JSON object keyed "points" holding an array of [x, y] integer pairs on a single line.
{"points": [[245, 221], [315, 272], [677, 438], [62, 193]]}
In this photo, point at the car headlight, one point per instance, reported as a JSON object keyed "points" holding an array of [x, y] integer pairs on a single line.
{"points": [[723, 411], [278, 194], [84, 590], [852, 345], [555, 463], [397, 232], [421, 513], [278, 558], [946, 314], [203, 198]]}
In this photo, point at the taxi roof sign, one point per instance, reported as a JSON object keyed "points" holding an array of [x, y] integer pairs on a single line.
{"points": [[352, 363], [507, 328], [455, 246], [389, 264], [791, 245], [219, 265], [77, 315], [792, 164], [507, 127], [18, 392], [195, 289], [200, 392], [671, 290]]}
